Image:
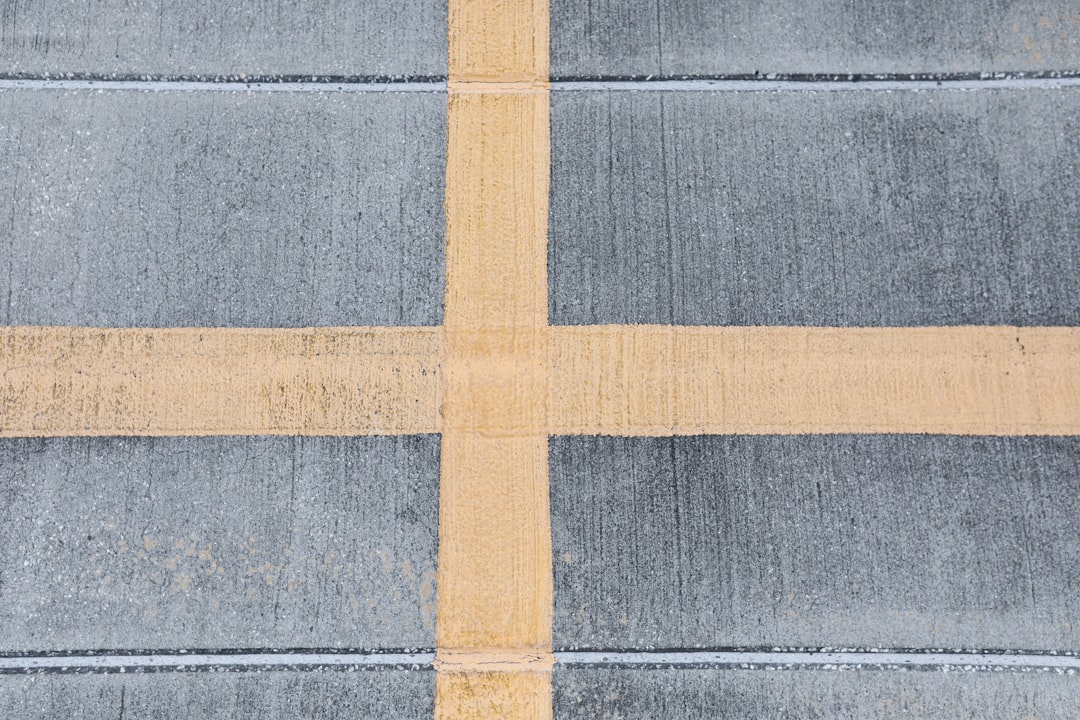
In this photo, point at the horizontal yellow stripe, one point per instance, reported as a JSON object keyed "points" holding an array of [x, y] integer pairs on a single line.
{"points": [[218, 381], [656, 380], [616, 380]]}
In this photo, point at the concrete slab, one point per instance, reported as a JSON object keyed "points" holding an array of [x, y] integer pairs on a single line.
{"points": [[812, 695], [395, 695], [695, 37], [128, 208], [834, 208], [330, 37], [896, 541], [218, 542]]}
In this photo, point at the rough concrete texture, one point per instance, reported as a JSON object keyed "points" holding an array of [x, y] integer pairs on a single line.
{"points": [[704, 37], [394, 695], [221, 209], [896, 541], [328, 37], [811, 695], [239, 542], [834, 208]]}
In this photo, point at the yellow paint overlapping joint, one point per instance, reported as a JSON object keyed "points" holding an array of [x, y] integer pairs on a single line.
{"points": [[494, 654]]}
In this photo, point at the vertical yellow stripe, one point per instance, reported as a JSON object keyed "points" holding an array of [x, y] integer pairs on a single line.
{"points": [[495, 581], [498, 41]]}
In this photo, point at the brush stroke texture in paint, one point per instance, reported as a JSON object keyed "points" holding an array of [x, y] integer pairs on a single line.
{"points": [[494, 570], [658, 381], [643, 380], [219, 381], [492, 41]]}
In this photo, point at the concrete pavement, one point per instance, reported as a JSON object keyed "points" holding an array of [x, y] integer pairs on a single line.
{"points": [[917, 207]]}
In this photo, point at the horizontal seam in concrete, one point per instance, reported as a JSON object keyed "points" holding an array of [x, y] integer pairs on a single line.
{"points": [[492, 661], [810, 77], [330, 659], [270, 86], [209, 662], [763, 83], [828, 660], [788, 85]]}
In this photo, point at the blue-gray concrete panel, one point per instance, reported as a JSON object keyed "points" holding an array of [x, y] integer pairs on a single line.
{"points": [[284, 695], [860, 208], [706, 37], [218, 542], [895, 541], [129, 208], [207, 38], [812, 695]]}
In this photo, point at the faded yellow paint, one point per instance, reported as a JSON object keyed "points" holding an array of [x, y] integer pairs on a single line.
{"points": [[494, 568], [523, 695], [1029, 39], [656, 380], [219, 381]]}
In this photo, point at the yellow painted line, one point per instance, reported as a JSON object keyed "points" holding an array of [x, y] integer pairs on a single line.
{"points": [[494, 569], [655, 380], [219, 381], [618, 380], [493, 695], [498, 41]]}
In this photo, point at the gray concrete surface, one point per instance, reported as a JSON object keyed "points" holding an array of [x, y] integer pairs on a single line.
{"points": [[203, 37], [838, 208], [220, 542], [896, 541], [394, 695], [676, 37], [221, 209], [812, 695]]}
